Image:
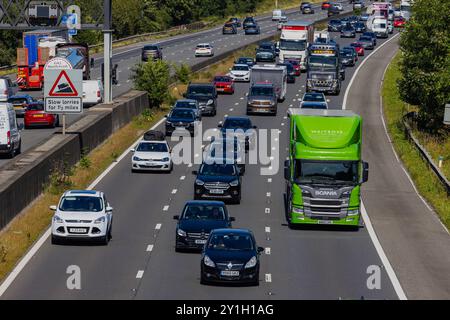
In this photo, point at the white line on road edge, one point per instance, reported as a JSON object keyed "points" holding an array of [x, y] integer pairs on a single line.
{"points": [[267, 251], [158, 226], [182, 177], [165, 208], [268, 277], [267, 229], [29, 255], [149, 248], [373, 236], [174, 191], [140, 274]]}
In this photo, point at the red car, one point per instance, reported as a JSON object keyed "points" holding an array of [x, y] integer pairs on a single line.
{"points": [[296, 64], [358, 47], [325, 5], [36, 116], [224, 84], [399, 22]]}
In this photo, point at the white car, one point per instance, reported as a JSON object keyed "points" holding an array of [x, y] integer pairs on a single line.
{"points": [[313, 100], [204, 50], [82, 214], [338, 6], [240, 72], [151, 155]]}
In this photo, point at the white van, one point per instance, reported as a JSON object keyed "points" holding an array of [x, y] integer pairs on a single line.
{"points": [[278, 15], [92, 92], [10, 140], [380, 27]]}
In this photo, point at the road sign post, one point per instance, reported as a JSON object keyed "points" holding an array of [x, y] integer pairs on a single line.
{"points": [[447, 114], [63, 89]]}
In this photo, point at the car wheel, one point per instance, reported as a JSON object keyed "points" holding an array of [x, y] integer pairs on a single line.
{"points": [[104, 240], [237, 201], [203, 281], [56, 240], [19, 149], [256, 281]]}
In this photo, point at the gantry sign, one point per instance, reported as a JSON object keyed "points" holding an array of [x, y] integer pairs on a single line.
{"points": [[30, 14]]}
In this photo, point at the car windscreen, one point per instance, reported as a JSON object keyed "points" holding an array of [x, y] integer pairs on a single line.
{"points": [[222, 79], [289, 67], [186, 104], [335, 22], [182, 114], [35, 107], [81, 204], [151, 48], [293, 45], [261, 91], [240, 68], [326, 172], [231, 242], [313, 105], [218, 170], [152, 147], [244, 60], [200, 90], [346, 53], [313, 97], [203, 46], [203, 212], [18, 100], [237, 124], [365, 39], [265, 47], [359, 25]]}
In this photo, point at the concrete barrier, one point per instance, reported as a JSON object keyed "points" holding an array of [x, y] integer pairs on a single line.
{"points": [[25, 179]]}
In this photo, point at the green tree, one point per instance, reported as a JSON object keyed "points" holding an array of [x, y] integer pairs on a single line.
{"points": [[154, 78], [425, 65], [183, 73]]}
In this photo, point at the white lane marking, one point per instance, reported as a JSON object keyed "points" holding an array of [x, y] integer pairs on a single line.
{"points": [[269, 180], [268, 194], [387, 265], [190, 165], [174, 191], [158, 226], [166, 208], [285, 117], [182, 177], [236, 104], [149, 248], [344, 102], [282, 124], [267, 251], [231, 109], [267, 210], [242, 98], [140, 274], [128, 81], [267, 229], [268, 277]]}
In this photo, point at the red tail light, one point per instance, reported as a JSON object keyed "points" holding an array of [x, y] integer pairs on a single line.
{"points": [[8, 138], [98, 94], [5, 92]]}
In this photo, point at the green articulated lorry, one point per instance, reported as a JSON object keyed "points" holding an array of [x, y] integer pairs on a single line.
{"points": [[324, 172]]}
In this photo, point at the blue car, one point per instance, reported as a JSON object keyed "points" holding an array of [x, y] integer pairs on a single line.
{"points": [[181, 119], [20, 103]]}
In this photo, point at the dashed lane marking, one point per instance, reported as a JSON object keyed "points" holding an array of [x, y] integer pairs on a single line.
{"points": [[158, 226], [166, 208], [149, 248], [140, 274]]}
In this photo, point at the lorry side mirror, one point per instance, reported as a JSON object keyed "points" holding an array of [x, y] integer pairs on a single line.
{"points": [[287, 169], [365, 173]]}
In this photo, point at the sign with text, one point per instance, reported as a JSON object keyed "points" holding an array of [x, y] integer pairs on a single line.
{"points": [[63, 90]]}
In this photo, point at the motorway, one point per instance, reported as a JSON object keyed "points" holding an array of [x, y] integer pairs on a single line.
{"points": [[141, 263], [178, 49]]}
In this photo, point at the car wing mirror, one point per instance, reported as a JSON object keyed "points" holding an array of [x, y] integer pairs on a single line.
{"points": [[195, 172], [260, 249], [176, 217], [365, 173], [232, 219], [133, 150], [287, 169], [53, 208], [109, 209]]}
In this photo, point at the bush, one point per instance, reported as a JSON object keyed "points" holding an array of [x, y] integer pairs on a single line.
{"points": [[183, 73], [154, 78]]}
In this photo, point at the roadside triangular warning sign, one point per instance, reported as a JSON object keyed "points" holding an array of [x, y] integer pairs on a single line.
{"points": [[63, 87]]}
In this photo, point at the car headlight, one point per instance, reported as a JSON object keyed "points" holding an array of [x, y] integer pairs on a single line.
{"points": [[168, 122], [353, 212], [135, 158], [234, 183], [57, 219], [210, 101], [330, 77], [99, 220], [165, 159], [208, 262], [199, 182], [181, 233], [297, 210], [251, 263]]}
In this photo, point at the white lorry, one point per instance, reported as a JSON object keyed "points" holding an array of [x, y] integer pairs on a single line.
{"points": [[10, 140], [295, 38], [270, 73], [380, 27]]}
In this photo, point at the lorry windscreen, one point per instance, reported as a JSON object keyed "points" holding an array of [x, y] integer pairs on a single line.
{"points": [[293, 45], [379, 26], [326, 172], [317, 62]]}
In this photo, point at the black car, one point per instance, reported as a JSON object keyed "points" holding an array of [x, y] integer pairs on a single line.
{"points": [[241, 124], [360, 27], [352, 50], [353, 20], [218, 181], [205, 94], [252, 29], [348, 31], [333, 10], [152, 52], [222, 150], [179, 119], [197, 220], [306, 8], [366, 42], [230, 256], [291, 74], [334, 25], [248, 21], [347, 56], [246, 60], [237, 23], [266, 52], [229, 28], [372, 35]]}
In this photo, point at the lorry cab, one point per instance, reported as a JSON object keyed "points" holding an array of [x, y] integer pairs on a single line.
{"points": [[10, 140], [324, 171], [295, 38], [278, 15]]}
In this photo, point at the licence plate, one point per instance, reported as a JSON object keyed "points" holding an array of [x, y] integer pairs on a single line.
{"points": [[216, 191], [228, 273], [77, 230], [38, 116], [325, 222], [200, 241], [150, 164]]}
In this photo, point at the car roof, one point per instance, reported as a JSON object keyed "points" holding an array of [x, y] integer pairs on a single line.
{"points": [[240, 65], [198, 84], [237, 118], [205, 202], [84, 193], [186, 100], [232, 230], [21, 96], [183, 109]]}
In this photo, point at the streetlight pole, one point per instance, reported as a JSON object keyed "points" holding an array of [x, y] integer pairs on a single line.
{"points": [[107, 49]]}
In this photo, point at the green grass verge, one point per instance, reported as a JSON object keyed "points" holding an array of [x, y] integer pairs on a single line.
{"points": [[424, 178]]}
